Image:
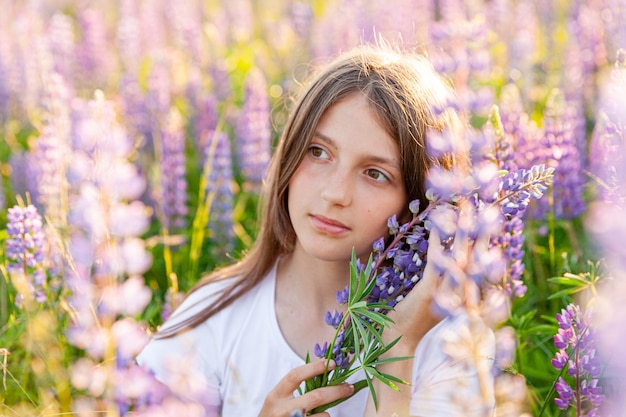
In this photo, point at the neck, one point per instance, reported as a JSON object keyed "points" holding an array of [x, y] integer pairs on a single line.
{"points": [[314, 281]]}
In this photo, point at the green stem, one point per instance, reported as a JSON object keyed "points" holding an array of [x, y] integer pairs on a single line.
{"points": [[549, 396]]}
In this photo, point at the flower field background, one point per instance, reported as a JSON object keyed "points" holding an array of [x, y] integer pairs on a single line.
{"points": [[135, 136]]}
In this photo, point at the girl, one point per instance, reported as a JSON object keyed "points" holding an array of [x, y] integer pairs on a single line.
{"points": [[352, 154]]}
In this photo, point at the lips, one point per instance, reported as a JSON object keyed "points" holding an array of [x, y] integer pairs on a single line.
{"points": [[327, 225]]}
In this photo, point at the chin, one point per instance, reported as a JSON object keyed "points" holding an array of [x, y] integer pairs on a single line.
{"points": [[327, 253]]}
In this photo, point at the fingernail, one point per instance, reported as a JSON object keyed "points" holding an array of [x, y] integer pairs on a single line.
{"points": [[350, 388]]}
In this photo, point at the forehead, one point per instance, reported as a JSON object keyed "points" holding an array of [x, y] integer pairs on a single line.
{"points": [[355, 122]]}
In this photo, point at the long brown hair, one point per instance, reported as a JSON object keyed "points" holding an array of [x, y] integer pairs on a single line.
{"points": [[409, 98]]}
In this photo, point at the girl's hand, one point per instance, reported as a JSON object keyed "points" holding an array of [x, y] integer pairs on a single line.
{"points": [[280, 402], [414, 316]]}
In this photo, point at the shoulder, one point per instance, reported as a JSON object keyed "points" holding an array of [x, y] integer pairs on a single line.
{"points": [[198, 300], [204, 354], [460, 330]]}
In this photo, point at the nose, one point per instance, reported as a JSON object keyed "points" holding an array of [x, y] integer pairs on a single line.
{"points": [[337, 189]]}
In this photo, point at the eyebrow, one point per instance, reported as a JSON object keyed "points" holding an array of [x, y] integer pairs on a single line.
{"points": [[376, 158]]}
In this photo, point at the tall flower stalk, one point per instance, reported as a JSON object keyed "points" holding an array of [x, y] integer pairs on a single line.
{"points": [[25, 252], [575, 340]]}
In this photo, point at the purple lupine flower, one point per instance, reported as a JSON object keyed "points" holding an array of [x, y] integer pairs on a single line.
{"points": [[187, 30], [584, 55], [203, 104], [129, 36], [346, 27], [301, 17], [607, 153], [461, 53], [172, 195], [158, 97], [106, 221], [24, 249], [221, 81], [559, 129], [613, 13], [525, 184], [523, 30], [606, 224], [51, 150], [556, 146], [320, 351], [62, 45], [342, 296], [333, 319], [134, 106], [24, 173], [576, 341], [253, 133], [520, 132], [506, 343], [5, 74], [93, 58], [218, 163]]}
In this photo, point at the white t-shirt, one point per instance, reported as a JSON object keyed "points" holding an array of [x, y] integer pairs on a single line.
{"points": [[232, 360]]}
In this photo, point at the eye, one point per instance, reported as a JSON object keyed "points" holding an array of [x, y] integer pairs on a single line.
{"points": [[317, 152], [376, 175]]}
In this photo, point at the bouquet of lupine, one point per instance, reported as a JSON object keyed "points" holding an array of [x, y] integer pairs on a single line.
{"points": [[478, 218]]}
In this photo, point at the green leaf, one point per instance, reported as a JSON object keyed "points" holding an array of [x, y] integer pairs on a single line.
{"points": [[378, 318], [375, 332], [363, 279], [390, 360], [565, 292], [352, 289], [372, 390], [357, 305], [382, 378], [380, 350]]}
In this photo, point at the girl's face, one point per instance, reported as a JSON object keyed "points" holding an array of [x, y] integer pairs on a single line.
{"points": [[348, 184]]}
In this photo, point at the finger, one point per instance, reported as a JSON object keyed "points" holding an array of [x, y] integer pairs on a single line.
{"points": [[296, 376], [322, 396], [434, 258]]}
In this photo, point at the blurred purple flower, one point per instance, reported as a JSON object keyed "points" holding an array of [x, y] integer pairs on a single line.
{"points": [[171, 196], [128, 41], [94, 61], [62, 45], [560, 120], [301, 17], [24, 248], [203, 118], [51, 150], [506, 343], [607, 153], [218, 164], [462, 39], [253, 133], [105, 222]]}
